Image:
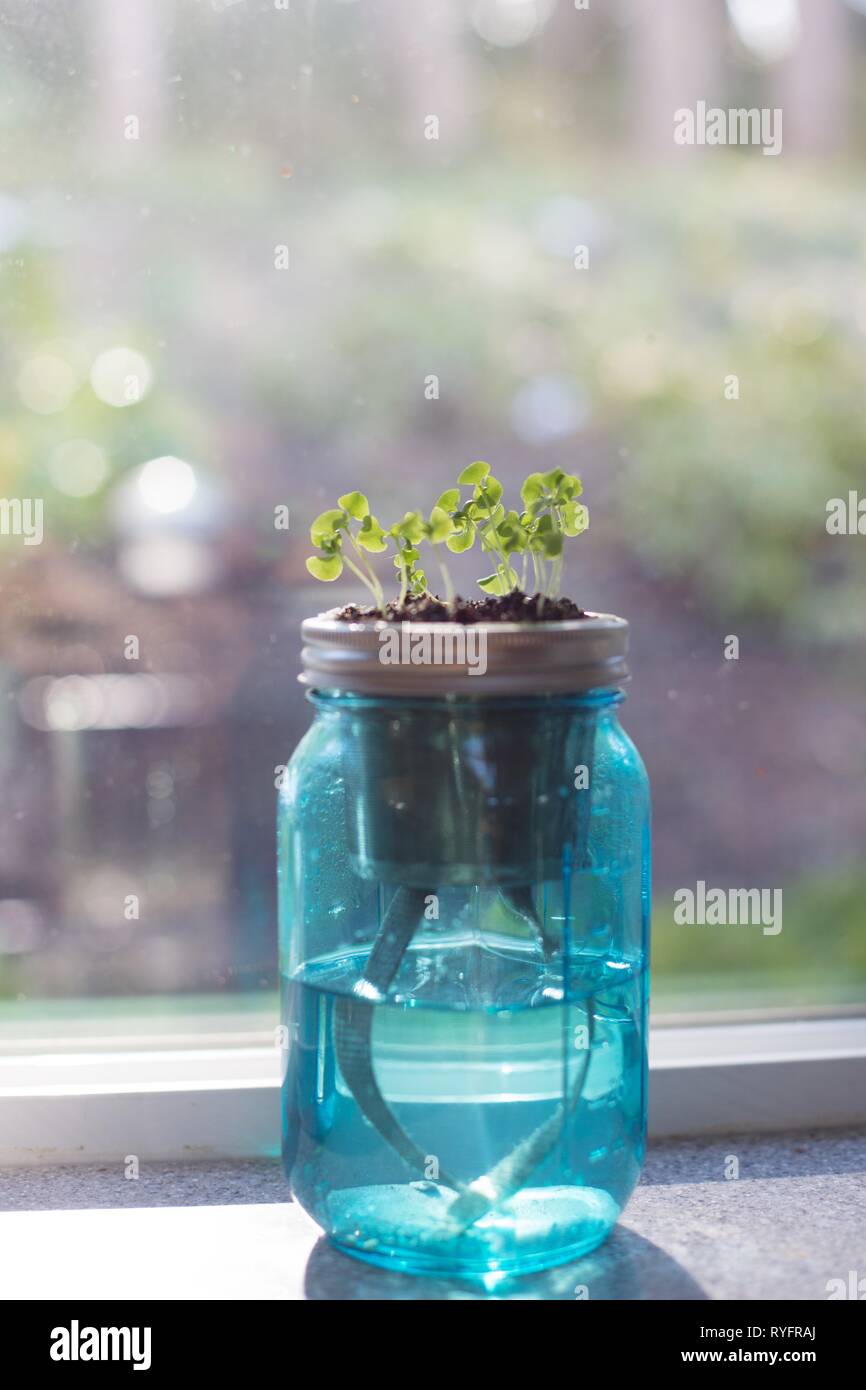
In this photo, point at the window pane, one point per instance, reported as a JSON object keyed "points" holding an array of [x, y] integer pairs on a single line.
{"points": [[254, 256]]}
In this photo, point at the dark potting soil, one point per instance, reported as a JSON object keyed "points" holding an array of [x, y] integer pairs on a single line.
{"points": [[515, 607]]}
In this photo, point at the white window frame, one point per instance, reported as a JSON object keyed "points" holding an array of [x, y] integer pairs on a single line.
{"points": [[183, 1102]]}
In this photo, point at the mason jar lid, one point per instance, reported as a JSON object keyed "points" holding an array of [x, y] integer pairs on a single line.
{"points": [[376, 657]]}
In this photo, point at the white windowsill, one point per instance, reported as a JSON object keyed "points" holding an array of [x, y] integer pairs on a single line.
{"points": [[223, 1102]]}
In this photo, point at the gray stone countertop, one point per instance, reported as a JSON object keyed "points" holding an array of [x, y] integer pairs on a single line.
{"points": [[793, 1220]]}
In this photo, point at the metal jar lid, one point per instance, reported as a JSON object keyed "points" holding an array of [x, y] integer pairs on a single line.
{"points": [[483, 659]]}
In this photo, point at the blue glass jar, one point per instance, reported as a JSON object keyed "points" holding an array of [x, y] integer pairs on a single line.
{"points": [[463, 874]]}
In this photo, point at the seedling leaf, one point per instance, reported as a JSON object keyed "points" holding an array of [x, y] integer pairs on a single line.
{"points": [[356, 504], [325, 567], [475, 473]]}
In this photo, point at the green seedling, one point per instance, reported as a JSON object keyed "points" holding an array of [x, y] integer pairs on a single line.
{"points": [[484, 516], [331, 528], [406, 535], [551, 513]]}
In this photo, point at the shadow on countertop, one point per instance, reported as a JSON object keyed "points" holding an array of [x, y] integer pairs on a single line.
{"points": [[626, 1267]]}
